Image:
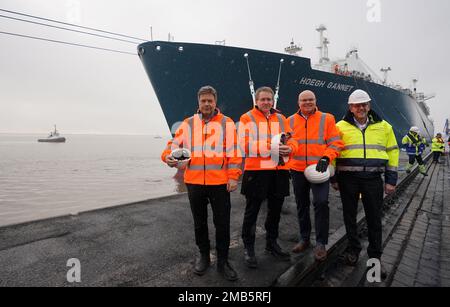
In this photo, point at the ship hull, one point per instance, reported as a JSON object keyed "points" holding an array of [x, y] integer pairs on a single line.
{"points": [[176, 74]]}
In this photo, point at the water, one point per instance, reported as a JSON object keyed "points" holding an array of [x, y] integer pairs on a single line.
{"points": [[40, 180]]}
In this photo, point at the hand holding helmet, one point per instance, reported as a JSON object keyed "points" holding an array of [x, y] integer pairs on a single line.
{"points": [[314, 176], [179, 158], [322, 166], [278, 145]]}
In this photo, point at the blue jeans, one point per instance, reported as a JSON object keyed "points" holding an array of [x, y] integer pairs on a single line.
{"points": [[320, 192]]}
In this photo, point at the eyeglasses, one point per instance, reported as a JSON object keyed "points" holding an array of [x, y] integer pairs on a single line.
{"points": [[360, 105]]}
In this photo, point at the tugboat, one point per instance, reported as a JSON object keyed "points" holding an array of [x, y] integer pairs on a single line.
{"points": [[53, 137]]}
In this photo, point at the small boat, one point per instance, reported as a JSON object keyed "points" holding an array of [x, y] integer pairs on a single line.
{"points": [[53, 137]]}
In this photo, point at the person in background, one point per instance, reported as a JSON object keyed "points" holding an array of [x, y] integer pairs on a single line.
{"points": [[415, 145], [437, 147]]}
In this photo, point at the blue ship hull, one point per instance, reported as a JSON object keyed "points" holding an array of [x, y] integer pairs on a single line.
{"points": [[177, 73]]}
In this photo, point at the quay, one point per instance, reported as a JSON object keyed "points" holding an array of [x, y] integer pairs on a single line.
{"points": [[151, 243]]}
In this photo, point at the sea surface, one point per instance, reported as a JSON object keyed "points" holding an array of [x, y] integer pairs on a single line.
{"points": [[41, 180]]}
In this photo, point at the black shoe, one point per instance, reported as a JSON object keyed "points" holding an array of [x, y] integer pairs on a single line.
{"points": [[201, 264], [250, 258], [275, 249], [225, 269]]}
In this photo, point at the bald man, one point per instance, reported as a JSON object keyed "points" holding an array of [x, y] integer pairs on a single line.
{"points": [[319, 144]]}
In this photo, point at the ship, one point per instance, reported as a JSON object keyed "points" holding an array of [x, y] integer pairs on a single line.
{"points": [[177, 70], [53, 137]]}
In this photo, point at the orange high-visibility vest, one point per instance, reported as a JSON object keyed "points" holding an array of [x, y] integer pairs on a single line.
{"points": [[316, 136], [255, 133], [213, 145]]}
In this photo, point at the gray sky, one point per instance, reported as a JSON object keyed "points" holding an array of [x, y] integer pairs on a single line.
{"points": [[89, 91]]}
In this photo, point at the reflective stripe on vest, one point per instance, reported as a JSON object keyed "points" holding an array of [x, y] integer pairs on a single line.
{"points": [[304, 158], [207, 167], [322, 126], [292, 122], [234, 166], [367, 146], [280, 120], [392, 148], [320, 140], [336, 138], [344, 168]]}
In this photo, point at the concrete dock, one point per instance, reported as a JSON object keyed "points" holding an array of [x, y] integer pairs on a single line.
{"points": [[151, 243]]}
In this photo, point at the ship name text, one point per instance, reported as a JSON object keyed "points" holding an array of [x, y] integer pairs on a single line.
{"points": [[329, 85]]}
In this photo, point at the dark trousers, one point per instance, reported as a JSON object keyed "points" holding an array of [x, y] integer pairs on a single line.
{"points": [[274, 205], [436, 155], [219, 198], [413, 158], [371, 189], [320, 192], [258, 186]]}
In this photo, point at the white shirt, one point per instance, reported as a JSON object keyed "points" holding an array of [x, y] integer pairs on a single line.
{"points": [[363, 126]]}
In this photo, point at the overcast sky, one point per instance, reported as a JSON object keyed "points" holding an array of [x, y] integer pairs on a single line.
{"points": [[89, 91]]}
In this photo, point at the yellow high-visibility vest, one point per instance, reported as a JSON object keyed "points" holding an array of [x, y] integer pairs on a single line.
{"points": [[438, 145], [373, 150]]}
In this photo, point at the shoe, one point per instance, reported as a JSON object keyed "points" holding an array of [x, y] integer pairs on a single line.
{"points": [[225, 269], [320, 252], [201, 264], [351, 258], [275, 249], [250, 258], [423, 170], [301, 247], [408, 168]]}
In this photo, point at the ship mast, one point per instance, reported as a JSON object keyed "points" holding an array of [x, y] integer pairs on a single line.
{"points": [[385, 74], [292, 49], [323, 47]]}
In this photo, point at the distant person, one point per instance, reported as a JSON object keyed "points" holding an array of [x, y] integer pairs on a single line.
{"points": [[370, 149], [318, 143], [415, 145], [266, 176], [437, 147], [210, 176]]}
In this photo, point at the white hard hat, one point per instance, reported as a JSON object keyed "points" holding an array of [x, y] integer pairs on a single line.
{"points": [[183, 155], [415, 129], [359, 96], [314, 176], [276, 140]]}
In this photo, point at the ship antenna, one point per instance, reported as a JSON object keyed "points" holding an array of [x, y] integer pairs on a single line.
{"points": [[277, 89], [250, 82]]}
